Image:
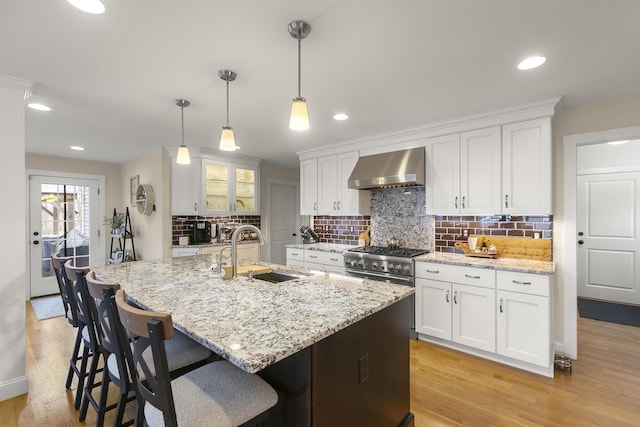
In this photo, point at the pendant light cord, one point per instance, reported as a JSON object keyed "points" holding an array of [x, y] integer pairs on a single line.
{"points": [[182, 121], [227, 102], [299, 68]]}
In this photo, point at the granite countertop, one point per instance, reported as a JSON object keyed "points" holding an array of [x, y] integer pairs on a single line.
{"points": [[323, 247], [251, 323], [508, 264]]}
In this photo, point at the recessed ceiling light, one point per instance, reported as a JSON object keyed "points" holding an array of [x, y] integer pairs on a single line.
{"points": [[531, 62], [77, 148], [618, 142], [340, 116], [90, 6], [39, 107]]}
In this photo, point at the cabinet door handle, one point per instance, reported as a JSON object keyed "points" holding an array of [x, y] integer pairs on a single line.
{"points": [[464, 202], [195, 207], [334, 206], [521, 283], [338, 204], [455, 297], [433, 271], [315, 206], [506, 200], [446, 296], [468, 276], [455, 202], [501, 309]]}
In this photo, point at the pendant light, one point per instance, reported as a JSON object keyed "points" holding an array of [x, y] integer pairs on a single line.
{"points": [[227, 140], [299, 114], [183, 152]]}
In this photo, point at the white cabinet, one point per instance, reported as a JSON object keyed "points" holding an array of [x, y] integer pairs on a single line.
{"points": [[456, 304], [463, 173], [523, 320], [229, 188], [324, 188], [331, 262], [309, 187], [526, 167], [185, 187], [295, 257]]}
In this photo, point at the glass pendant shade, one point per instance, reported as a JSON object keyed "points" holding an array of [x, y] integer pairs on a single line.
{"points": [[183, 155], [227, 140], [90, 6], [299, 114]]}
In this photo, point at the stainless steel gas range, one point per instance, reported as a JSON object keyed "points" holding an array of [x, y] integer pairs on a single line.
{"points": [[385, 263]]}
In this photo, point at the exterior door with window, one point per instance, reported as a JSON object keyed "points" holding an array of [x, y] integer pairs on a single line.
{"points": [[64, 218]]}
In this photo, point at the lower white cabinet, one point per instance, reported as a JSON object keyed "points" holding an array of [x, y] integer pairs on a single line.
{"points": [[456, 312], [506, 315], [247, 252], [331, 262], [523, 321]]}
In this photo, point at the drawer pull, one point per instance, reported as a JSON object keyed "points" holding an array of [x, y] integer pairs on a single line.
{"points": [[468, 276], [295, 253], [333, 259], [433, 271], [313, 256], [521, 283]]}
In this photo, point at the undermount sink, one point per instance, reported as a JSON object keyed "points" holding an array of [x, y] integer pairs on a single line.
{"points": [[274, 277]]}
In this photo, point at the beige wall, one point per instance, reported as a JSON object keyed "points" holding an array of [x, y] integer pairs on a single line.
{"points": [[591, 117], [152, 233]]}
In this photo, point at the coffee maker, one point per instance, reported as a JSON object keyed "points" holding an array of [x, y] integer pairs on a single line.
{"points": [[199, 232]]}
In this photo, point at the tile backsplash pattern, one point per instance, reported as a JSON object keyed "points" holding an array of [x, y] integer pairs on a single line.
{"points": [[340, 229], [401, 213], [179, 227], [450, 229]]}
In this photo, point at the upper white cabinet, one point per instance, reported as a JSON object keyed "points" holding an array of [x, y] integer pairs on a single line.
{"points": [[185, 187], [333, 197], [309, 187], [229, 188], [526, 167], [463, 173], [498, 170], [215, 185]]}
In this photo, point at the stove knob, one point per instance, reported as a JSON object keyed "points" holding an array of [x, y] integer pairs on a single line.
{"points": [[361, 264], [406, 269], [391, 268], [374, 265]]}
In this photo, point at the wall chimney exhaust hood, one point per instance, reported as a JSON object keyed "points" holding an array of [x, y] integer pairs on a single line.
{"points": [[403, 168]]}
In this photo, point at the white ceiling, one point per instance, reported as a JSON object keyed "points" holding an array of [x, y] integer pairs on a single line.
{"points": [[390, 65]]}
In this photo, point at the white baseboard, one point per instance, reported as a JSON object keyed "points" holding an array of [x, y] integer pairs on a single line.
{"points": [[14, 387]]}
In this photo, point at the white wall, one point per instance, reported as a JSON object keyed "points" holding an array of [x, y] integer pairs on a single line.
{"points": [[152, 233], [13, 373], [601, 115]]}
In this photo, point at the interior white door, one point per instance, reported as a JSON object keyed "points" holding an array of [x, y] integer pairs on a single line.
{"points": [[284, 216], [63, 217], [608, 207]]}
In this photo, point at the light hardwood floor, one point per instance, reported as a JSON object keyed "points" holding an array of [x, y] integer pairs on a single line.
{"points": [[447, 388]]}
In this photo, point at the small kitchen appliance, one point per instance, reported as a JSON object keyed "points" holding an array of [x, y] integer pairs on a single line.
{"points": [[199, 232], [390, 264]]}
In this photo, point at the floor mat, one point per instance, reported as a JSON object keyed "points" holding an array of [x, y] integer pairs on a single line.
{"points": [[47, 307], [609, 312]]}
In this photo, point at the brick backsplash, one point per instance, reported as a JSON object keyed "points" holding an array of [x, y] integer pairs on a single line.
{"points": [[450, 229], [179, 227], [340, 229]]}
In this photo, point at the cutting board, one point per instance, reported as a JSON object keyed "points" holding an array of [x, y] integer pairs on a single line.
{"points": [[257, 269]]}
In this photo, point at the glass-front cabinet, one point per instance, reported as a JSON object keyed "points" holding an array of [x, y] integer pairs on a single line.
{"points": [[229, 188]]}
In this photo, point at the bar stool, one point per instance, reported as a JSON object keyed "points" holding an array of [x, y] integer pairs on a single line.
{"points": [[216, 394]]}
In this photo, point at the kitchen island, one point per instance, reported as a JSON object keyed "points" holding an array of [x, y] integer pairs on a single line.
{"points": [[335, 348]]}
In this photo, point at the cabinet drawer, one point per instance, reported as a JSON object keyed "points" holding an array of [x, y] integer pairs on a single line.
{"points": [[295, 254], [327, 258], [483, 277], [534, 284]]}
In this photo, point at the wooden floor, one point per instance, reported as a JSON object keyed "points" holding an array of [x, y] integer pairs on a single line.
{"points": [[447, 388]]}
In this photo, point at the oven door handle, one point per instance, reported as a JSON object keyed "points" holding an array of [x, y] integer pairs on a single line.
{"points": [[408, 280]]}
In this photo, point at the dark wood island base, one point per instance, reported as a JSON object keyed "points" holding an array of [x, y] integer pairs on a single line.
{"points": [[358, 376]]}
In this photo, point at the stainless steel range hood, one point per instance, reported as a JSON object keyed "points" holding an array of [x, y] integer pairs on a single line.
{"points": [[387, 170]]}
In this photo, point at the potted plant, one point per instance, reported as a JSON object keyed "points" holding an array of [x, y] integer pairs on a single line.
{"points": [[116, 223]]}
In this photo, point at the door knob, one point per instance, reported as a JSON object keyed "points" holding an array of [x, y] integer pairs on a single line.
{"points": [[580, 233], [35, 233], [580, 242], [35, 242], [294, 234]]}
